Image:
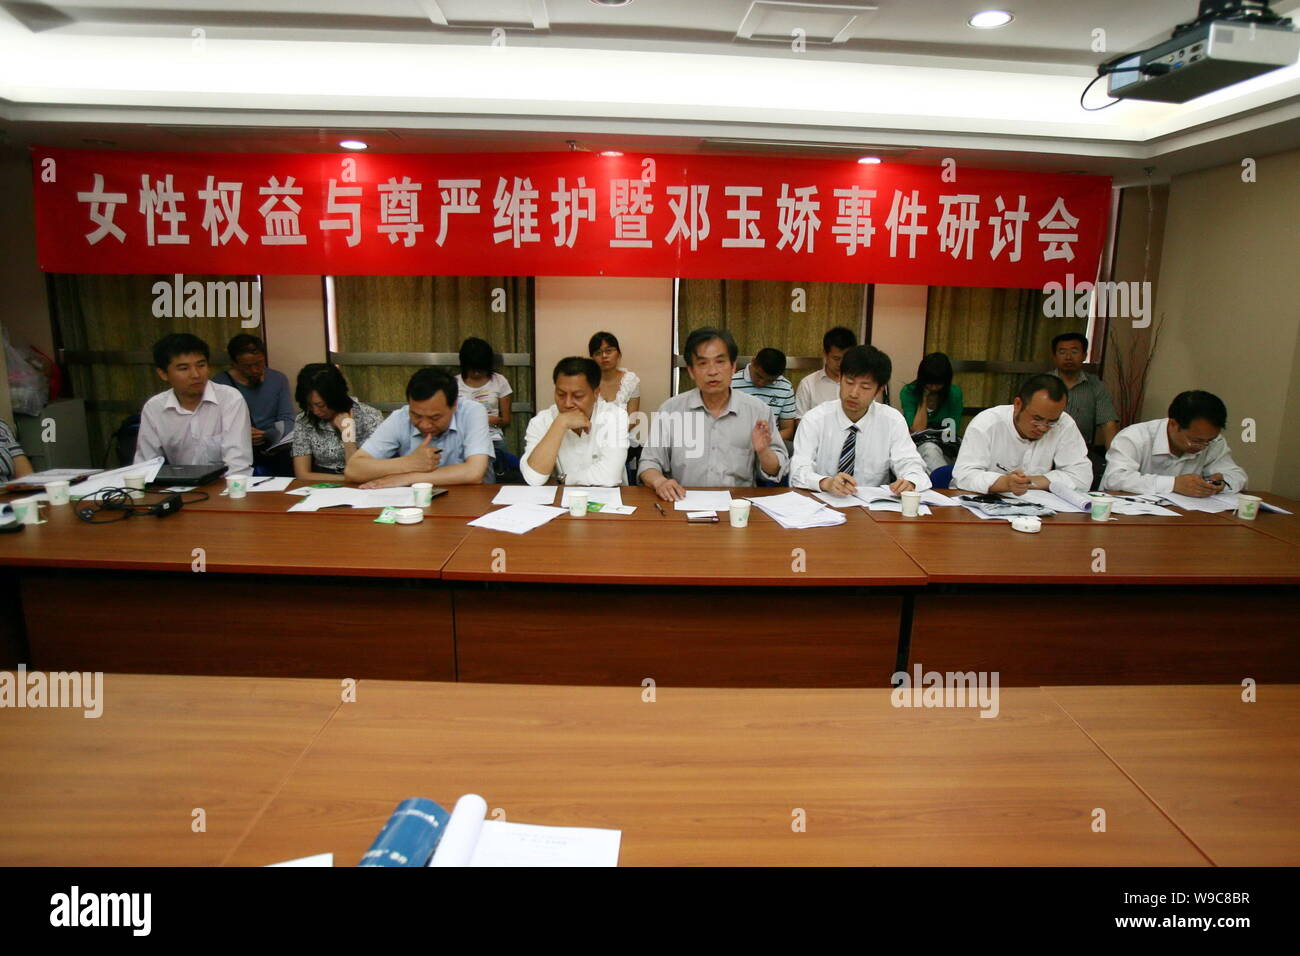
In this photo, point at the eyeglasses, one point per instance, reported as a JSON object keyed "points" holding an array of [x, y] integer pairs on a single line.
{"points": [[1043, 422], [605, 353]]}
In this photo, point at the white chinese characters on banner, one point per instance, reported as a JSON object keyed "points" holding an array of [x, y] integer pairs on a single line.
{"points": [[102, 207], [572, 206], [352, 210], [905, 220], [691, 204], [747, 236], [1058, 241], [797, 217], [630, 205], [161, 200], [399, 210], [459, 196], [1008, 225], [516, 212], [221, 205], [280, 213], [852, 225], [958, 228]]}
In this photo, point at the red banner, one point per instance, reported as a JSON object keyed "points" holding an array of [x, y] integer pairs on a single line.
{"points": [[563, 214]]}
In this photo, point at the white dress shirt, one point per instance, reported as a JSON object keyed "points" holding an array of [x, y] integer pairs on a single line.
{"points": [[216, 432], [597, 458], [883, 447], [992, 448], [1141, 462], [815, 388]]}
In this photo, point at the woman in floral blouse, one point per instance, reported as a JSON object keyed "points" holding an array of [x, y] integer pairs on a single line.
{"points": [[331, 426]]}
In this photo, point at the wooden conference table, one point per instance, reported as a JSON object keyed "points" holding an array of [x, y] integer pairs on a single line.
{"points": [[1187, 776], [241, 587]]}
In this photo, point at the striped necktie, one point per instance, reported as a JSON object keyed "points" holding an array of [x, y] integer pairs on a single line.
{"points": [[846, 453]]}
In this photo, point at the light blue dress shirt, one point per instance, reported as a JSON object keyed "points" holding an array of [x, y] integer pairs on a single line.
{"points": [[468, 434]]}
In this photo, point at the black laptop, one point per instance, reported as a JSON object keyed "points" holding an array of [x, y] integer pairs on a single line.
{"points": [[191, 476]]}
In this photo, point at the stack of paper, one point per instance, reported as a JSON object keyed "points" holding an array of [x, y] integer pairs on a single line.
{"points": [[606, 496], [704, 501], [880, 498], [43, 478], [517, 519], [793, 510], [1136, 506], [525, 495], [1223, 501], [356, 498], [117, 477]]}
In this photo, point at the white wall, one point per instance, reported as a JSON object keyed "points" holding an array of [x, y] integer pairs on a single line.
{"points": [[294, 322], [898, 330], [569, 309]]}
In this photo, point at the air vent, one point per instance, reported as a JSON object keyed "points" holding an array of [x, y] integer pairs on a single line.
{"points": [[486, 14], [778, 21]]}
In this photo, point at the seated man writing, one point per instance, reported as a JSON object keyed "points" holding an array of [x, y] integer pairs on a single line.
{"points": [[435, 438], [1031, 443], [581, 438], [1184, 453], [857, 441]]}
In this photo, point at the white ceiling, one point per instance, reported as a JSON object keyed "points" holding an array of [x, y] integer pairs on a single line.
{"points": [[906, 78]]}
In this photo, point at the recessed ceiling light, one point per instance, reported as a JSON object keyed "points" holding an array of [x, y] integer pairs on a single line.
{"points": [[353, 144], [990, 19], [869, 161], [611, 3], [611, 153]]}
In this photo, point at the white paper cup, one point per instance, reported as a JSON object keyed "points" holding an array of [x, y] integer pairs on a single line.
{"points": [[1102, 507], [237, 485], [423, 493], [58, 492], [135, 482], [577, 504], [911, 503], [1248, 507], [738, 512], [28, 512]]}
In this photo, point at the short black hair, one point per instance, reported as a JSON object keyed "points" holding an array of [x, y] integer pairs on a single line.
{"points": [[838, 338], [178, 343], [601, 339], [327, 382], [1071, 337], [242, 344], [476, 356], [771, 361], [427, 382], [578, 365], [708, 334], [867, 360], [1189, 406], [1053, 386]]}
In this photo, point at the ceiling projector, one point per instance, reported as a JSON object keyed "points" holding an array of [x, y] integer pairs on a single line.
{"points": [[1228, 42]]}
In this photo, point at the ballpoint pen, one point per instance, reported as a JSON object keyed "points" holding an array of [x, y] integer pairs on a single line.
{"points": [[660, 510], [262, 482]]}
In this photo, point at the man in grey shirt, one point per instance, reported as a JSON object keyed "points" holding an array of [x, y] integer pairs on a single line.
{"points": [[1088, 399], [713, 435]]}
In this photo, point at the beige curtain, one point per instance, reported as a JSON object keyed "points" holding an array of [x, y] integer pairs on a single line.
{"points": [[759, 314], [433, 314], [114, 313], [991, 325]]}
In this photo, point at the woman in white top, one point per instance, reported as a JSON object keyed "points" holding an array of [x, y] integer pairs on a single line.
{"points": [[618, 385]]}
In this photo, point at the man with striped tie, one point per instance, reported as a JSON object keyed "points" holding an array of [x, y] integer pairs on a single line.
{"points": [[857, 441]]}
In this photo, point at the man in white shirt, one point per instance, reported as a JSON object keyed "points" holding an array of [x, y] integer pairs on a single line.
{"points": [[857, 441], [194, 422], [1184, 453], [823, 385], [582, 438], [1031, 443]]}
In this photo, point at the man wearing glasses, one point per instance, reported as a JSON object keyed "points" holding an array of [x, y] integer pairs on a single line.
{"points": [[1184, 453], [1031, 443]]}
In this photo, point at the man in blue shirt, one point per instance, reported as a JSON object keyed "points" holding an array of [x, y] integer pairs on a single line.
{"points": [[434, 438], [269, 400]]}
